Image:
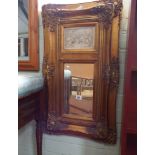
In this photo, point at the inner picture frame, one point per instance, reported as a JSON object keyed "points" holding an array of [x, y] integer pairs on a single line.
{"points": [[79, 37]]}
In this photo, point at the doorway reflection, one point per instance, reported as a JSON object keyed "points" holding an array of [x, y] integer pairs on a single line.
{"points": [[78, 89]]}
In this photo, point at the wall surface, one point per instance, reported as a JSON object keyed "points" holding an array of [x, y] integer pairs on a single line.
{"points": [[69, 145]]}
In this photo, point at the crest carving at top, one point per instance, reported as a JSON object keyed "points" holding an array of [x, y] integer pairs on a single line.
{"points": [[51, 18], [104, 9], [105, 14]]}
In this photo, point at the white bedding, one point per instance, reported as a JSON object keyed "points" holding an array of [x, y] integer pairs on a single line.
{"points": [[28, 85]]}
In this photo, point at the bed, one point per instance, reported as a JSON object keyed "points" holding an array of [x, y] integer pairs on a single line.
{"points": [[29, 97]]}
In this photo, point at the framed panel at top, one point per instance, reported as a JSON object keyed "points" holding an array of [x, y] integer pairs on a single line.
{"points": [[79, 38]]}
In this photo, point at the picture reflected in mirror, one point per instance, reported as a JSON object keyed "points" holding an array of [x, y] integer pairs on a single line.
{"points": [[23, 30], [78, 89]]}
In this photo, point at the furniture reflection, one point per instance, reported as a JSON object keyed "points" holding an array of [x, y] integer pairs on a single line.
{"points": [[80, 84], [77, 86]]}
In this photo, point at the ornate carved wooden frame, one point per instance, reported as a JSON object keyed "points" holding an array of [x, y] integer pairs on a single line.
{"points": [[105, 15], [33, 62]]}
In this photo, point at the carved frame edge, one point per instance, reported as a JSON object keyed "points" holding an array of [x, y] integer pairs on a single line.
{"points": [[106, 10]]}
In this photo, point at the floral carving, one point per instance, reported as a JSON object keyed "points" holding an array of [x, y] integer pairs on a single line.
{"points": [[51, 17], [51, 121], [114, 72], [106, 73], [50, 70], [111, 72], [101, 131], [105, 14], [117, 7], [107, 135], [105, 9], [44, 66], [111, 138]]}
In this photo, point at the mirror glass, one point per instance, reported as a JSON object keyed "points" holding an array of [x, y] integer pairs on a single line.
{"points": [[23, 34], [78, 89]]}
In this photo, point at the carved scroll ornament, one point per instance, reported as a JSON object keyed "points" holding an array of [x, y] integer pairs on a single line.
{"points": [[114, 72], [48, 69], [51, 18], [52, 121], [108, 136], [104, 9], [105, 14], [111, 137], [101, 130], [45, 60], [117, 7], [111, 72]]}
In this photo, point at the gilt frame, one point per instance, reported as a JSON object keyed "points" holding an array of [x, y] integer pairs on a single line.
{"points": [[106, 16]]}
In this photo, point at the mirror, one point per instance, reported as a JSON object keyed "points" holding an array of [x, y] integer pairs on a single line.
{"points": [[81, 68], [27, 35], [23, 30], [78, 89]]}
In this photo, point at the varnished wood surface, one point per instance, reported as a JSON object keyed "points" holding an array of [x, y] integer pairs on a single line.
{"points": [[33, 63], [27, 108], [30, 108]]}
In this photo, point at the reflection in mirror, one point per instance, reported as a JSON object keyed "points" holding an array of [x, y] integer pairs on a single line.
{"points": [[78, 89], [23, 30]]}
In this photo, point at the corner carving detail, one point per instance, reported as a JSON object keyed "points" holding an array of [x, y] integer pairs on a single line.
{"points": [[106, 10], [117, 7], [105, 14], [107, 135], [101, 131], [51, 18], [51, 121], [111, 138]]}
